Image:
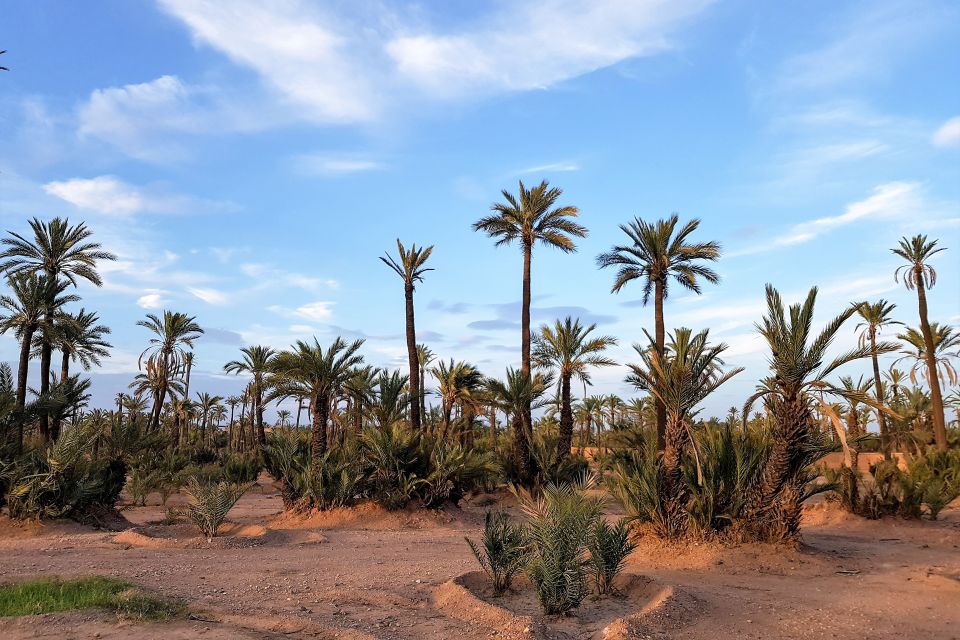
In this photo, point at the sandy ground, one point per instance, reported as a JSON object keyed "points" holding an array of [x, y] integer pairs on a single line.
{"points": [[363, 573]]}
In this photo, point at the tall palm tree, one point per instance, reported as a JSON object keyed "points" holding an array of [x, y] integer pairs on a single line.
{"points": [[657, 253], [392, 392], [425, 356], [896, 378], [920, 275], [681, 376], [205, 405], [187, 366], [361, 390], [945, 338], [174, 333], [875, 316], [531, 217], [57, 250], [256, 362], [318, 373], [798, 381], [283, 417], [409, 267], [571, 350], [34, 299], [455, 381], [592, 414], [232, 402]]}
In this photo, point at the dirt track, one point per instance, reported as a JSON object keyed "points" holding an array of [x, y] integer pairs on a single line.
{"points": [[364, 573]]}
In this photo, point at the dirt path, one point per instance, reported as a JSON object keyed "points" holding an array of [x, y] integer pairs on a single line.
{"points": [[367, 574]]}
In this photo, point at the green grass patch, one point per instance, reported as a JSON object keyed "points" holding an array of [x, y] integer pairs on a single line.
{"points": [[33, 597]]}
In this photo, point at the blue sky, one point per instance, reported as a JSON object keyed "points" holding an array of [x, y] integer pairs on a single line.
{"points": [[249, 165]]}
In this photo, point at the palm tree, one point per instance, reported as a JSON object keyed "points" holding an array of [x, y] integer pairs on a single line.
{"points": [[896, 379], [798, 380], [318, 373], [256, 362], [187, 365], [531, 217], [175, 332], [592, 415], [919, 275], [657, 253], [681, 376], [232, 402], [35, 298], [283, 417], [516, 394], [944, 339], [410, 268], [569, 347], [456, 381], [360, 390], [424, 357], [205, 404], [391, 396], [57, 250], [875, 317]]}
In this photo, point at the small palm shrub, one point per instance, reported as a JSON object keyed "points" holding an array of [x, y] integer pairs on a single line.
{"points": [[241, 469], [143, 482], [210, 504], [609, 547], [397, 465], [285, 456], [559, 524], [543, 449], [336, 479], [454, 471], [501, 555]]}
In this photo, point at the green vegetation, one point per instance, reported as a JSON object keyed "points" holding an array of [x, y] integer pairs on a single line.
{"points": [[34, 597]]}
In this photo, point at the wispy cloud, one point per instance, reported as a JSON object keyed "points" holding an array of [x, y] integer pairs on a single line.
{"points": [[111, 196], [269, 276], [210, 296], [894, 199], [319, 164], [319, 311], [948, 135], [554, 167], [154, 300]]}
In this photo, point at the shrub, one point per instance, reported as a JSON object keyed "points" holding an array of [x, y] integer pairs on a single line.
{"points": [[241, 469], [285, 456], [502, 555], [559, 523], [397, 465], [454, 471], [210, 504], [609, 547], [335, 480]]}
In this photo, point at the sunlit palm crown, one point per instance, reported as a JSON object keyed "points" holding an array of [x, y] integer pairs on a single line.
{"points": [[309, 368], [57, 249], [569, 347], [917, 252], [946, 347], [531, 217], [33, 296], [173, 332], [410, 265], [517, 391], [659, 252]]}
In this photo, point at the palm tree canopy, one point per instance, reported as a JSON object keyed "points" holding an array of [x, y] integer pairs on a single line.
{"points": [[456, 380], [256, 361], [684, 373], [79, 336], [874, 317], [57, 249], [517, 391], [34, 296], [309, 369], [917, 252], [530, 217], [945, 338], [173, 332], [569, 347], [658, 252], [410, 264]]}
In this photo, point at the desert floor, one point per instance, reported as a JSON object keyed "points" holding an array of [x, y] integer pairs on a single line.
{"points": [[364, 573]]}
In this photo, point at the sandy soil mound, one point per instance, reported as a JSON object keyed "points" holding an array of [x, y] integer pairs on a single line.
{"points": [[370, 516], [640, 605]]}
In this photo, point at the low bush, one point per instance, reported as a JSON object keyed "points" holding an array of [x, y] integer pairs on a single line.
{"points": [[501, 550], [609, 546], [210, 504]]}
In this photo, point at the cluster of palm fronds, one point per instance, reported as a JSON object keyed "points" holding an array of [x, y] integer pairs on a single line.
{"points": [[391, 466], [928, 484], [565, 546], [211, 502]]}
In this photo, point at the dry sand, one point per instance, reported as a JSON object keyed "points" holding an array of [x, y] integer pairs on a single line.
{"points": [[365, 573]]}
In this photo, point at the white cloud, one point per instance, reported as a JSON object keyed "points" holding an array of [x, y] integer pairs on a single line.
{"points": [[348, 63], [268, 276], [210, 296], [320, 164], [154, 300], [319, 311], [554, 167], [111, 196], [890, 200], [948, 135]]}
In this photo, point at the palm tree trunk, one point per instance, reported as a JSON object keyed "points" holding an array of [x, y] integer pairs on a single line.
{"points": [[413, 360], [22, 372], [493, 425], [939, 425], [46, 353], [55, 422], [258, 410], [319, 412], [230, 444], [423, 393], [659, 294], [566, 421], [878, 392], [521, 444]]}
